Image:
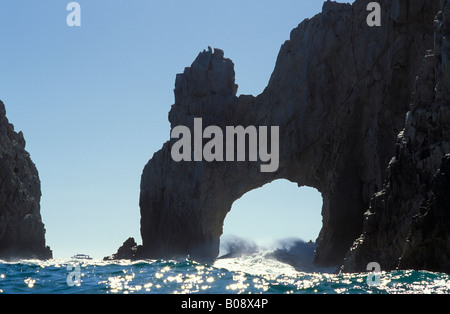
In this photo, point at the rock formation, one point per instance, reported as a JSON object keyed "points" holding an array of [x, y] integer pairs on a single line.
{"points": [[428, 243], [128, 250], [339, 94], [408, 222], [22, 233]]}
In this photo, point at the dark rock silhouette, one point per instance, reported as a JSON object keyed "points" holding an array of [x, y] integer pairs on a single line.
{"points": [[428, 244], [408, 222], [22, 233], [128, 250], [339, 93]]}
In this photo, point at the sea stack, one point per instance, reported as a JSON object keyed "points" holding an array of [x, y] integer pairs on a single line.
{"points": [[340, 94], [22, 233]]}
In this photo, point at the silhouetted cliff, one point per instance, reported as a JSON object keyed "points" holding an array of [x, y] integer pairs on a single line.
{"points": [[22, 233]]}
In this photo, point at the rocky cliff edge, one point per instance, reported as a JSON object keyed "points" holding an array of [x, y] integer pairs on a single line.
{"points": [[22, 233]]}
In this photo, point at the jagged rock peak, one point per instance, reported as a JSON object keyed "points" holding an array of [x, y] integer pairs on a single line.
{"points": [[22, 233]]}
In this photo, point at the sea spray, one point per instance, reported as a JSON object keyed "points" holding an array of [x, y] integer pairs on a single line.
{"points": [[295, 252], [292, 251], [234, 246]]}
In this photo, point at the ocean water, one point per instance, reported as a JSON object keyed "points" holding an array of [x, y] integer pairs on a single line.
{"points": [[253, 274]]}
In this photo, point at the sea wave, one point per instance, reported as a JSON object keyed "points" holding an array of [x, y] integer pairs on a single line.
{"points": [[254, 273]]}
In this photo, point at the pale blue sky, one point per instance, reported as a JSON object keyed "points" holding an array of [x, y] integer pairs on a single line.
{"points": [[93, 102]]}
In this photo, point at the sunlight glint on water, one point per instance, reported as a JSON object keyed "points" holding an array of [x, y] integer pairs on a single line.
{"points": [[250, 274]]}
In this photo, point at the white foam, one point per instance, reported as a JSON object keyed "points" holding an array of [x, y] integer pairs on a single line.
{"points": [[256, 264]]}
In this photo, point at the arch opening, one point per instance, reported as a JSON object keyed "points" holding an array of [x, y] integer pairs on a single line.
{"points": [[277, 216]]}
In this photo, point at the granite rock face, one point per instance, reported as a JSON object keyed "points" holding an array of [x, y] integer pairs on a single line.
{"points": [[22, 233], [408, 223], [339, 94]]}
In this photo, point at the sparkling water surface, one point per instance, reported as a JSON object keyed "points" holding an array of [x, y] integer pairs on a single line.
{"points": [[251, 274]]}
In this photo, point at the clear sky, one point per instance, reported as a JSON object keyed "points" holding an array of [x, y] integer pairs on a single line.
{"points": [[93, 103]]}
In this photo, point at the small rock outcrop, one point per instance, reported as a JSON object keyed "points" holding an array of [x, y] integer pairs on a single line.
{"points": [[128, 250], [408, 223], [22, 233]]}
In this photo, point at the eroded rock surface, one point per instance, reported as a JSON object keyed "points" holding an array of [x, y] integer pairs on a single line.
{"points": [[408, 222], [22, 233], [339, 94]]}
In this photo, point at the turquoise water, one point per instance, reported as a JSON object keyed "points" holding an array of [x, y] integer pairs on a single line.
{"points": [[254, 274]]}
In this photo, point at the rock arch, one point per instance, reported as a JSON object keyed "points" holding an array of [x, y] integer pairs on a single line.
{"points": [[339, 93], [278, 211]]}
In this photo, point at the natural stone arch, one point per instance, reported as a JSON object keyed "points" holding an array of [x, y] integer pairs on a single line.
{"points": [[278, 212], [339, 94]]}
